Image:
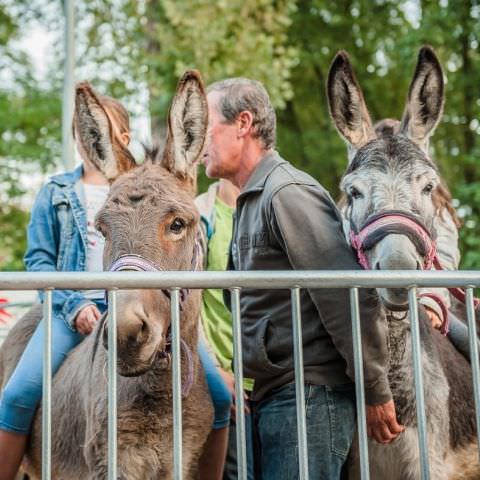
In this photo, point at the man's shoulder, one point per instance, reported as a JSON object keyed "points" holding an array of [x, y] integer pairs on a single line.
{"points": [[285, 175]]}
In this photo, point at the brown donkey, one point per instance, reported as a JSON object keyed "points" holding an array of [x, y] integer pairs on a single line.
{"points": [[391, 179], [149, 222]]}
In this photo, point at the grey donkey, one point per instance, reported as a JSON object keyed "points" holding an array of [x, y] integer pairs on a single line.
{"points": [[149, 212], [390, 175]]}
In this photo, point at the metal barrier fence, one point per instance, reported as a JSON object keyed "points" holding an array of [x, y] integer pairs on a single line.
{"points": [[235, 281]]}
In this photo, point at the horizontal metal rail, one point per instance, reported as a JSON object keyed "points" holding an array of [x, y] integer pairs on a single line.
{"points": [[235, 282], [257, 279], [16, 304]]}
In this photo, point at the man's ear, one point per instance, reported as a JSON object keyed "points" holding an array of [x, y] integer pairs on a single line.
{"points": [[245, 123]]}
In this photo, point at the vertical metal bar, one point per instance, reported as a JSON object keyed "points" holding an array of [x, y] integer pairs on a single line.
{"points": [[472, 330], [299, 384], [112, 385], [47, 388], [177, 384], [239, 400], [419, 393], [359, 384], [68, 84]]}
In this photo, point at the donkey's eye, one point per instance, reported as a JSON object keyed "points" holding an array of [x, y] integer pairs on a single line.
{"points": [[177, 226], [428, 189], [355, 193]]}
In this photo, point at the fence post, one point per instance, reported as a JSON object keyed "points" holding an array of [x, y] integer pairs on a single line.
{"points": [[47, 388], [472, 331], [238, 371], [299, 384], [177, 384], [359, 385], [112, 385], [419, 393]]}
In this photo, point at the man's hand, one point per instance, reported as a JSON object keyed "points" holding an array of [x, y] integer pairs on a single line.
{"points": [[86, 319], [434, 318], [382, 422]]}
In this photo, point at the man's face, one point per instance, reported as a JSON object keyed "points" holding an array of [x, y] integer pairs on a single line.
{"points": [[223, 146]]}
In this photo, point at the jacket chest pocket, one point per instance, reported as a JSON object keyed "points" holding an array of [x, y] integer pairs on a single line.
{"points": [[257, 251], [258, 241]]}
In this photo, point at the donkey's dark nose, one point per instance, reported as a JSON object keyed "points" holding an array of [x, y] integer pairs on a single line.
{"points": [[377, 266], [130, 334]]}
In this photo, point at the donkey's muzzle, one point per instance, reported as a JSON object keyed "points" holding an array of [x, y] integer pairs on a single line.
{"points": [[392, 222], [131, 335]]}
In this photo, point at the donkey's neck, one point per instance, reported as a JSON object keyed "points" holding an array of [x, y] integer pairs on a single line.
{"points": [[400, 374]]}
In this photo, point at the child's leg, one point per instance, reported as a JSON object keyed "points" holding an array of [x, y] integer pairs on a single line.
{"points": [[23, 392], [458, 335], [212, 460]]}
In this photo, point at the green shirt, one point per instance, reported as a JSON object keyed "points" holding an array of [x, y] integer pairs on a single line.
{"points": [[217, 319]]}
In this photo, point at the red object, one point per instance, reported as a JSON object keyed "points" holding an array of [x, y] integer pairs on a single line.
{"points": [[4, 315]]}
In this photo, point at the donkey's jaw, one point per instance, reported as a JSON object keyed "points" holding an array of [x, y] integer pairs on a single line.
{"points": [[395, 252], [160, 358], [394, 299]]}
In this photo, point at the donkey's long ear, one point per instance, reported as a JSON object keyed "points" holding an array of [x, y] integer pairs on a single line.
{"points": [[94, 130], [187, 126], [425, 99], [346, 104]]}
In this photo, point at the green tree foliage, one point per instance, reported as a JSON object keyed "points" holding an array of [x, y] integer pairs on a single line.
{"points": [[365, 30], [452, 27], [29, 132]]}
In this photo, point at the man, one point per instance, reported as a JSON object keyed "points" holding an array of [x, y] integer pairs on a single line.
{"points": [[285, 220]]}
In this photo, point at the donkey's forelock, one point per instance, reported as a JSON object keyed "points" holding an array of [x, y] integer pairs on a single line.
{"points": [[391, 153]]}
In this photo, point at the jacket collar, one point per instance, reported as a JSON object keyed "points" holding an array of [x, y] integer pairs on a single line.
{"points": [[68, 178], [257, 179]]}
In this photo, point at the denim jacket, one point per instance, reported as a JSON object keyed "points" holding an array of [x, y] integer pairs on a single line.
{"points": [[57, 239]]}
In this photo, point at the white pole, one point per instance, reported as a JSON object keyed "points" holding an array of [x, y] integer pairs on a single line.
{"points": [[68, 85]]}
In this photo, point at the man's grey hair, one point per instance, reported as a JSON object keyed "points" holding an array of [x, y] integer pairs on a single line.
{"points": [[242, 94]]}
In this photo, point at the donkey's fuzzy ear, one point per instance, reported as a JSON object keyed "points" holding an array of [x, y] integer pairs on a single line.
{"points": [[346, 104], [425, 99], [93, 127], [187, 126]]}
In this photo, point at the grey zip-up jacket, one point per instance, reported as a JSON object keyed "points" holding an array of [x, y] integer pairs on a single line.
{"points": [[285, 220]]}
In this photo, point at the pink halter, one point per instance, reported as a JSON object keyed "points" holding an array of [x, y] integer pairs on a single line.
{"points": [[137, 263], [379, 226], [389, 222]]}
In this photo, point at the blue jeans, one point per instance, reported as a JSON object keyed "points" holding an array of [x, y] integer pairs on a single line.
{"points": [[230, 471], [221, 396], [330, 412], [23, 392]]}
